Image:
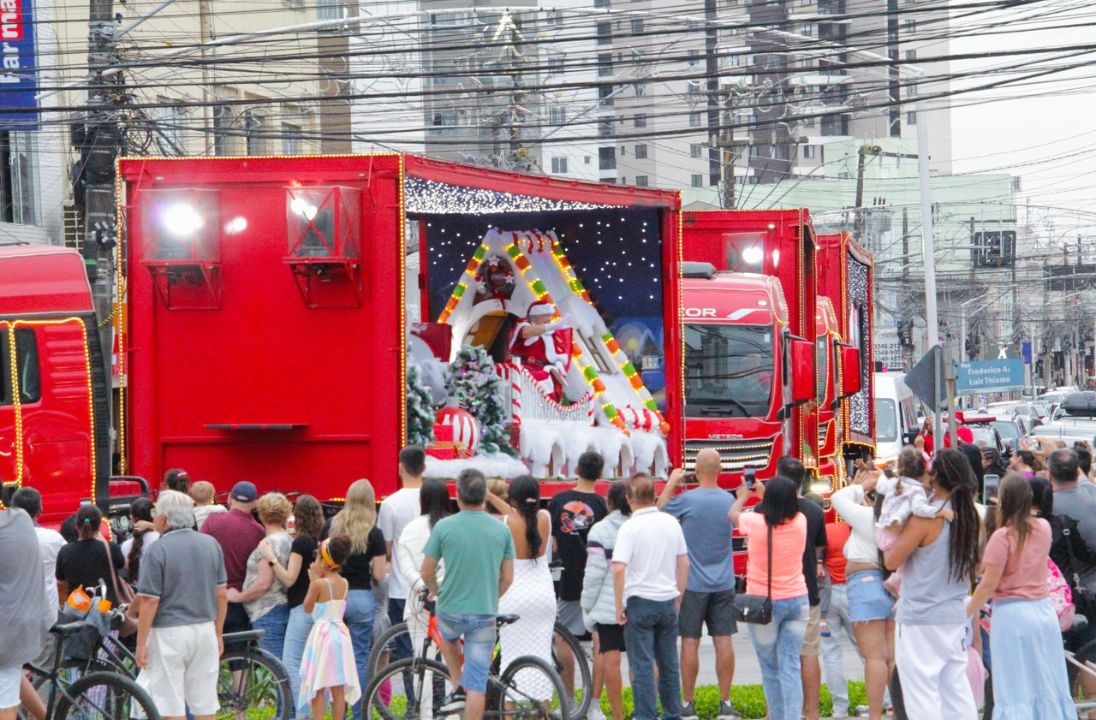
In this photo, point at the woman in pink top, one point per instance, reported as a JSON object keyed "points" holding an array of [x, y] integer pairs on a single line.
{"points": [[779, 643], [1029, 671]]}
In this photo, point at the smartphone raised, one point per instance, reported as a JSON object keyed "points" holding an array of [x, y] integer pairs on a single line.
{"points": [[991, 484], [750, 478]]}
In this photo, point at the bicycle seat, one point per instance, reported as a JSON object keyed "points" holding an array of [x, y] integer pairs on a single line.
{"points": [[506, 620], [245, 636], [66, 629]]}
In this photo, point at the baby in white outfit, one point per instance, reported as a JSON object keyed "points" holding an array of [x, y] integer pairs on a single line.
{"points": [[903, 496]]}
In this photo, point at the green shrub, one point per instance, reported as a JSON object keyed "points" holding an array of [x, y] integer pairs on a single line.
{"points": [[748, 700]]}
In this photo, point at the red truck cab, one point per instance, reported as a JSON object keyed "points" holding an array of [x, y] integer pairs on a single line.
{"points": [[54, 416], [762, 257]]}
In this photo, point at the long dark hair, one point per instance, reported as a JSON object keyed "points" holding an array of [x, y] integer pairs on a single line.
{"points": [[308, 517], [954, 474], [1042, 497], [434, 500], [781, 501], [525, 497], [1015, 507], [618, 497], [141, 509]]}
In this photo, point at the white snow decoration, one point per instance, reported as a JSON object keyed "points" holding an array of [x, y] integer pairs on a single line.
{"points": [[650, 452], [542, 446], [432, 372], [494, 465]]}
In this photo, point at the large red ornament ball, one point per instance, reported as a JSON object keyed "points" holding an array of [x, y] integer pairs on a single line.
{"points": [[466, 429]]}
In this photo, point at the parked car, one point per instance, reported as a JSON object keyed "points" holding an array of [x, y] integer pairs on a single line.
{"points": [[1010, 430], [1071, 431]]}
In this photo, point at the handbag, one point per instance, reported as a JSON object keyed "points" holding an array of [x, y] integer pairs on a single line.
{"points": [[123, 595], [757, 609]]}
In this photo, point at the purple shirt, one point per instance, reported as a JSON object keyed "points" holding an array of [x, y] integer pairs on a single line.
{"points": [[238, 535]]}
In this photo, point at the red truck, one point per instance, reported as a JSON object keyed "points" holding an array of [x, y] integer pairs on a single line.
{"points": [[274, 305], [54, 426], [846, 411]]}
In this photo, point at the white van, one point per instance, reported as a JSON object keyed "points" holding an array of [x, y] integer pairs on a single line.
{"points": [[895, 416]]}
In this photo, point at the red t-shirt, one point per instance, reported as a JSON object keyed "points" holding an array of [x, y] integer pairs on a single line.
{"points": [[789, 540], [837, 534], [1025, 576], [238, 535]]}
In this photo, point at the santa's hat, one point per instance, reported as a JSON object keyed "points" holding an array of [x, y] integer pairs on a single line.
{"points": [[541, 307]]}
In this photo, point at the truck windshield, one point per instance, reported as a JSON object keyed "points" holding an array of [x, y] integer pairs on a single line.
{"points": [[728, 370], [886, 421]]}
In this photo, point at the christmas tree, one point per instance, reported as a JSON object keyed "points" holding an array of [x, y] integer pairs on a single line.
{"points": [[473, 384], [420, 411]]}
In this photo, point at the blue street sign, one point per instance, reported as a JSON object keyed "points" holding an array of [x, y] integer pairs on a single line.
{"points": [[1025, 351], [981, 376], [18, 74]]}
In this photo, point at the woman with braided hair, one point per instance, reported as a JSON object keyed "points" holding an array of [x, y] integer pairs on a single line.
{"points": [[531, 595], [941, 557]]}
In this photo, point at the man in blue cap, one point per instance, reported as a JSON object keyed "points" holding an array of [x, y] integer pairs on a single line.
{"points": [[238, 534]]}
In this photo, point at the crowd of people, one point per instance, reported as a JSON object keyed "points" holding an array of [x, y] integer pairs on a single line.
{"points": [[932, 588]]}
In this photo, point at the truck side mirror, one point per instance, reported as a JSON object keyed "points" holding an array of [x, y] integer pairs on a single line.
{"points": [[803, 370], [850, 370]]}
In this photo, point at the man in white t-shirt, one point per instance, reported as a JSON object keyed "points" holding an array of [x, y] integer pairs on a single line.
{"points": [[50, 542], [397, 510], [650, 569]]}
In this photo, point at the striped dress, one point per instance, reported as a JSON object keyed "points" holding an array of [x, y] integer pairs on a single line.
{"points": [[328, 659]]}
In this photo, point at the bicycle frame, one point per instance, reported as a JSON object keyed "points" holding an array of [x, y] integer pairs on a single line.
{"points": [[1082, 706]]}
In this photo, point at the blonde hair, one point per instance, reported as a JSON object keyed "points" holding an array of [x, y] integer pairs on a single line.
{"points": [[202, 492], [358, 516], [274, 509]]}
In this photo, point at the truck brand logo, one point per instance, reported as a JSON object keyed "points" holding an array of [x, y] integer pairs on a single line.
{"points": [[726, 436], [700, 312]]}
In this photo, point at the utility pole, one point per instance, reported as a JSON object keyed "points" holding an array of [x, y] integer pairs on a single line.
{"points": [[862, 153], [98, 141], [711, 74]]}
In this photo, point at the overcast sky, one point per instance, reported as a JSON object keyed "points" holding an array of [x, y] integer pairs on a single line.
{"points": [[1047, 139]]}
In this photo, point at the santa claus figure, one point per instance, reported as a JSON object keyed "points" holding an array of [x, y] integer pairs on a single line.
{"points": [[535, 345]]}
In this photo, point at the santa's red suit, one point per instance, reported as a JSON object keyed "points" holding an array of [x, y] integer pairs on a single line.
{"points": [[540, 357]]}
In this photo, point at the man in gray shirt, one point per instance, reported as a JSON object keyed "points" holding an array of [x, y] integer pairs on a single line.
{"points": [[183, 600]]}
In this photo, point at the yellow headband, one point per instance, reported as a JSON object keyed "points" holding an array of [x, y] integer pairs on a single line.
{"points": [[326, 555]]}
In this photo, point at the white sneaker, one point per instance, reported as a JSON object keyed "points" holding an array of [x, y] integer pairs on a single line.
{"points": [[595, 713]]}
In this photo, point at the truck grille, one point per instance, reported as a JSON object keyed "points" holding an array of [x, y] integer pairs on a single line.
{"points": [[736, 455]]}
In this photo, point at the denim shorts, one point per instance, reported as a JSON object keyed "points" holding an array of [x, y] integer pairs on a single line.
{"points": [[478, 632], [868, 599]]}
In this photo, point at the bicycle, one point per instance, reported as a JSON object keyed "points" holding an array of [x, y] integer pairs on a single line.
{"points": [[528, 689], [581, 692], [249, 678], [102, 694], [1081, 660]]}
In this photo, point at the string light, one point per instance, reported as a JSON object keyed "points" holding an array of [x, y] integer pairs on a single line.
{"points": [[429, 197]]}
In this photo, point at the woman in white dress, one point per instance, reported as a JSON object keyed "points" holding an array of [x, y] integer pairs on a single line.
{"points": [[531, 595]]}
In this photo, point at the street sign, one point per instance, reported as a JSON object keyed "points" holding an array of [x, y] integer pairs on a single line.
{"points": [[980, 376], [18, 77], [921, 378]]}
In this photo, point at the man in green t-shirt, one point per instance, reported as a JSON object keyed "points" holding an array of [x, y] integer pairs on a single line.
{"points": [[479, 566]]}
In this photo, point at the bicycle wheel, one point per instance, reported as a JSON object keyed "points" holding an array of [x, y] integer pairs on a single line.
{"points": [[429, 686], [529, 689], [105, 696], [384, 642], [573, 666], [254, 682]]}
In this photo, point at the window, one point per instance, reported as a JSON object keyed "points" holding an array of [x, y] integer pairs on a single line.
{"points": [[694, 119], [555, 17], [734, 61], [605, 65], [696, 150], [641, 120], [605, 95], [623, 181], [641, 89], [623, 153], [637, 26], [586, 160], [606, 158], [555, 65], [291, 139], [169, 129], [601, 3], [694, 58], [994, 248], [698, 181], [26, 357], [641, 153], [808, 152], [911, 55], [559, 165], [911, 118], [807, 122], [641, 181], [222, 121], [254, 140], [604, 32], [730, 3], [608, 181], [557, 115], [911, 27], [605, 127], [18, 187], [807, 29]]}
